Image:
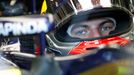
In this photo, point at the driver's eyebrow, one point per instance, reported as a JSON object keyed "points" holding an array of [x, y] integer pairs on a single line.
{"points": [[108, 21], [79, 26], [73, 26]]}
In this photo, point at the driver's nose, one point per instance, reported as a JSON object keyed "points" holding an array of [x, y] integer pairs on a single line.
{"points": [[95, 33]]}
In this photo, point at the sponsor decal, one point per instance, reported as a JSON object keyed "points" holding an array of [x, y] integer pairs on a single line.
{"points": [[22, 28]]}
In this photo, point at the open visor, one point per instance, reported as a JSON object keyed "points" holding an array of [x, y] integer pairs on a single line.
{"points": [[92, 28]]}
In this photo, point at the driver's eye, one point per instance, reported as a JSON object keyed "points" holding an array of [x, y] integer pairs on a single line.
{"points": [[82, 32], [107, 27], [79, 31]]}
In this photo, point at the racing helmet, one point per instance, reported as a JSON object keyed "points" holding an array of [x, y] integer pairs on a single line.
{"points": [[70, 15]]}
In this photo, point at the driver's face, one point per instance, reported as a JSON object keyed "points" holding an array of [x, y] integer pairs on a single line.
{"points": [[92, 28]]}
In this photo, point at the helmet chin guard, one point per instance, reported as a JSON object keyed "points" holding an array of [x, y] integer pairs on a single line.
{"points": [[89, 46]]}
